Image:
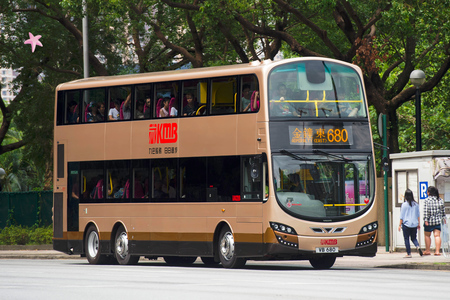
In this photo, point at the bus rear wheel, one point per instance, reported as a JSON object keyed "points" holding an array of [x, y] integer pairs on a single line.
{"points": [[93, 247], [121, 250], [227, 250], [322, 263]]}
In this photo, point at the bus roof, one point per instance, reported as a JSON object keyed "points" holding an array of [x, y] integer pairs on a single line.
{"points": [[206, 72], [142, 78]]}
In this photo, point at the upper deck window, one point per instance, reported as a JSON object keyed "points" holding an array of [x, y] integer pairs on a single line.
{"points": [[316, 89], [190, 97]]}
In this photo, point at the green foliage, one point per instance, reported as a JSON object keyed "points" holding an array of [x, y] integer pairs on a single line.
{"points": [[14, 235], [25, 168], [124, 39], [18, 235], [435, 121]]}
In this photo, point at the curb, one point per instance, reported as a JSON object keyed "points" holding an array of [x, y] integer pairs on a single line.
{"points": [[420, 266], [25, 247]]}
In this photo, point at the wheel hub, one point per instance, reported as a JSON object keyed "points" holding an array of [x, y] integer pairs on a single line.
{"points": [[93, 243], [122, 245], [227, 246]]}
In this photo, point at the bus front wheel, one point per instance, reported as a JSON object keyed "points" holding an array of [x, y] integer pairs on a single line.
{"points": [[121, 252], [93, 248], [227, 250], [324, 262]]}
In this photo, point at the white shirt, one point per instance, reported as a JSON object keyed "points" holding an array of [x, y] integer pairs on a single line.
{"points": [[114, 113]]}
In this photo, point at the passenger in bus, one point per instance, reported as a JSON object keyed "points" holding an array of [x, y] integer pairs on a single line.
{"points": [[72, 114], [116, 185], [101, 112], [280, 107], [147, 110], [139, 110], [346, 109], [245, 100], [191, 108], [173, 107], [255, 101], [113, 114], [295, 183], [125, 108], [158, 191], [138, 188], [164, 111], [92, 115], [120, 190]]}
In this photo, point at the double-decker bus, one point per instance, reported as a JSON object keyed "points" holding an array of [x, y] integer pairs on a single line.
{"points": [[259, 161]]}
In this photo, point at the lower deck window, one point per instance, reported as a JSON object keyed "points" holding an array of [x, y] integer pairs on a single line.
{"points": [[196, 179]]}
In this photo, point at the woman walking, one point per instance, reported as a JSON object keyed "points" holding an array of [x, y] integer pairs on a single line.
{"points": [[409, 222], [433, 212]]}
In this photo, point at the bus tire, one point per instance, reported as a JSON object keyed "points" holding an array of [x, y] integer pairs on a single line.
{"points": [[226, 250], [93, 247], [179, 260], [323, 262], [121, 250]]}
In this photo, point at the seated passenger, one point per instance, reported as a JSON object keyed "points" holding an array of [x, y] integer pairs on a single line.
{"points": [[255, 101], [101, 112], [72, 114], [173, 107], [245, 100], [295, 183], [147, 110], [191, 108], [113, 114], [92, 115], [282, 92], [281, 108], [139, 110], [158, 191], [164, 111]]}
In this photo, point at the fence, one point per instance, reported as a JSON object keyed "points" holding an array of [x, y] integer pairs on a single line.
{"points": [[26, 208]]}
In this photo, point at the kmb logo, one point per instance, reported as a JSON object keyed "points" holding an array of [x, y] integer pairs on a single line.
{"points": [[163, 133], [328, 242]]}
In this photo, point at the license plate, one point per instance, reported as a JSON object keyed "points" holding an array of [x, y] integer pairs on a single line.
{"points": [[327, 250]]}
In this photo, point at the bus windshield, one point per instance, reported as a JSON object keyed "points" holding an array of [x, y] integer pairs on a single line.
{"points": [[315, 89], [323, 186]]}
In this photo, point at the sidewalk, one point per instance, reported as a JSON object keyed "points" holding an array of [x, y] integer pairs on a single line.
{"points": [[396, 260], [383, 259]]}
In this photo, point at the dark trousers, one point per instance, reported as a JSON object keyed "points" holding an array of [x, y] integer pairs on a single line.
{"points": [[410, 233]]}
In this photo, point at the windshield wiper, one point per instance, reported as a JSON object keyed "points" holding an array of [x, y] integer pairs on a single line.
{"points": [[339, 157], [294, 156]]}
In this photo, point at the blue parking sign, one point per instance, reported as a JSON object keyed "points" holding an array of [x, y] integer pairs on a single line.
{"points": [[423, 187]]}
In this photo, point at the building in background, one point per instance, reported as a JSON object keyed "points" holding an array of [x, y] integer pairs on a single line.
{"points": [[7, 76]]}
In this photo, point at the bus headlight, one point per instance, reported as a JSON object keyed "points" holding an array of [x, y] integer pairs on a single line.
{"points": [[369, 227], [282, 228], [285, 235]]}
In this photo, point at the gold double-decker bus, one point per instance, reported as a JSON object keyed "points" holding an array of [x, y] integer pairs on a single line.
{"points": [[260, 161]]}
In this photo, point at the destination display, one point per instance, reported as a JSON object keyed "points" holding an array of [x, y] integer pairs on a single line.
{"points": [[320, 134]]}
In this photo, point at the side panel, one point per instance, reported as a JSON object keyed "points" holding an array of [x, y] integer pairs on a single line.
{"points": [[58, 220], [176, 228]]}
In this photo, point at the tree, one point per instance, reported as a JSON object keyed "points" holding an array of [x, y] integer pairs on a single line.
{"points": [[153, 35], [387, 39]]}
